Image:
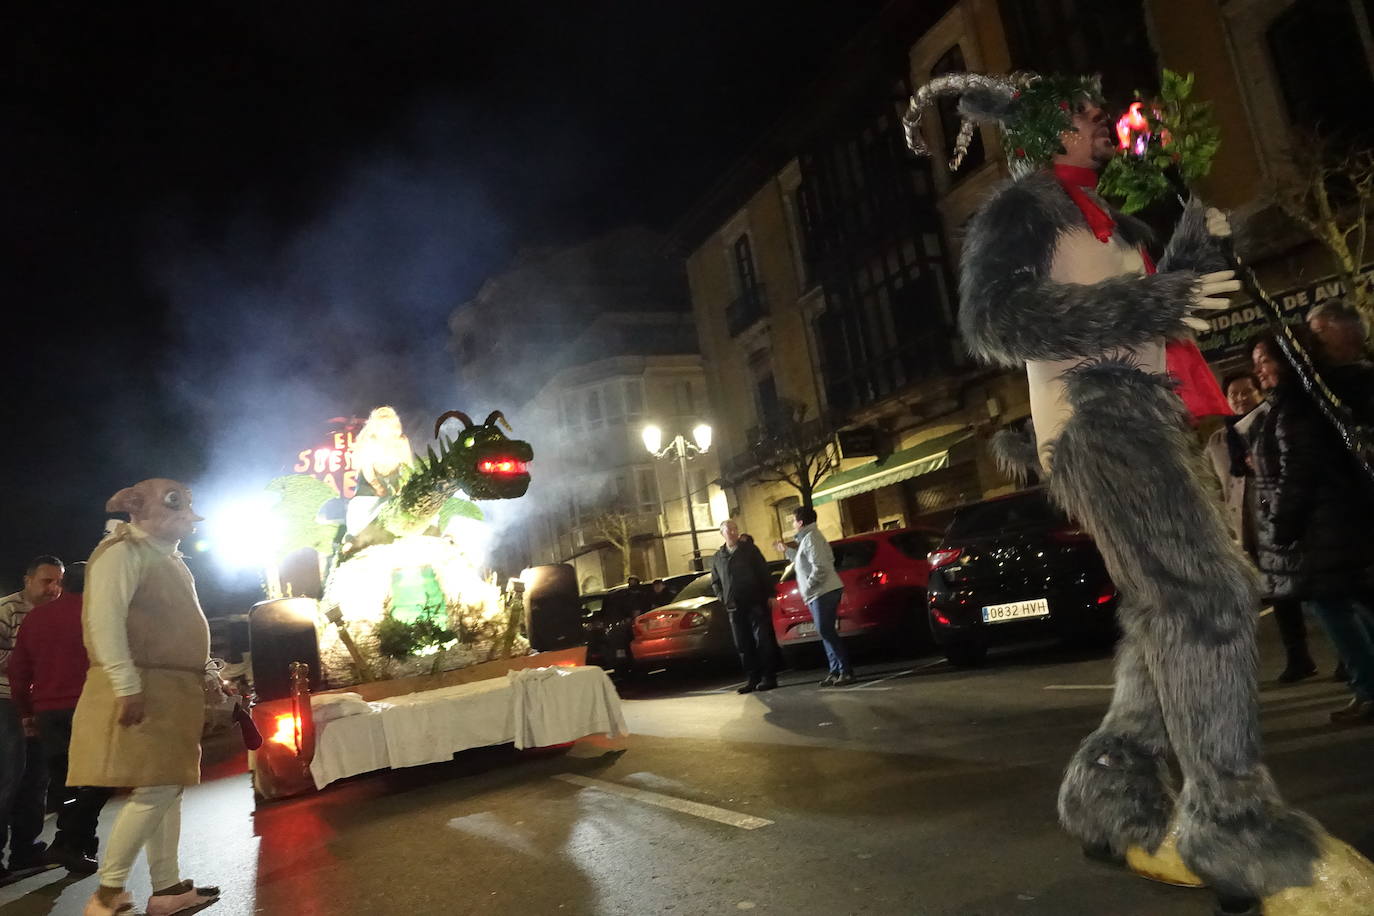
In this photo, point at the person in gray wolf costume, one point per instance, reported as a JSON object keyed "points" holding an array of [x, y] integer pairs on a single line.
{"points": [[1074, 300]]}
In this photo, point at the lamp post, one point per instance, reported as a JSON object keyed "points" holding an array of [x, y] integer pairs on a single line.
{"points": [[681, 449]]}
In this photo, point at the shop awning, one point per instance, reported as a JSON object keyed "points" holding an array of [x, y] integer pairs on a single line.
{"points": [[931, 455]]}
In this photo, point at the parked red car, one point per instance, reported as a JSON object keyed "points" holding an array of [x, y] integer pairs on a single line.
{"points": [[884, 575]]}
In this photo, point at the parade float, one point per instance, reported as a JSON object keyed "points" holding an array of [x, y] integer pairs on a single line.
{"points": [[381, 643]]}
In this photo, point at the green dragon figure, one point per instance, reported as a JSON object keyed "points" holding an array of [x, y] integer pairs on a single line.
{"points": [[482, 462]]}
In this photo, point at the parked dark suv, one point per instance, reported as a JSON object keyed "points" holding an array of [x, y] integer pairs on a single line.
{"points": [[608, 619], [1014, 569]]}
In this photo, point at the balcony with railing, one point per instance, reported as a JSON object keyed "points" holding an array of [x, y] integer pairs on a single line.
{"points": [[748, 308]]}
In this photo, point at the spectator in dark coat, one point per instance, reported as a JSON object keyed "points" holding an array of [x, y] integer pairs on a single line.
{"points": [[742, 582], [47, 671], [1313, 511]]}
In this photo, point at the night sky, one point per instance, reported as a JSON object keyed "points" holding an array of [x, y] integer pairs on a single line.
{"points": [[227, 223]]}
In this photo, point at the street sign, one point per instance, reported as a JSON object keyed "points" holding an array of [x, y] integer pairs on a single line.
{"points": [[863, 441], [1233, 329]]}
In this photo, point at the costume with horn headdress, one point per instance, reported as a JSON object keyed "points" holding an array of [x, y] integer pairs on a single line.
{"points": [[1053, 278]]}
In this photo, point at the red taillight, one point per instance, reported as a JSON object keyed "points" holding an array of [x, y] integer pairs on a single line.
{"points": [[941, 619], [877, 577], [692, 620], [939, 558], [1106, 596], [502, 466]]}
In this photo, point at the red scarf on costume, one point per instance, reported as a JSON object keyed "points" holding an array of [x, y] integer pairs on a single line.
{"points": [[1197, 386], [1073, 179]]}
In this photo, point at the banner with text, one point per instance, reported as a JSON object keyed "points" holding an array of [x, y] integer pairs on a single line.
{"points": [[1232, 329]]}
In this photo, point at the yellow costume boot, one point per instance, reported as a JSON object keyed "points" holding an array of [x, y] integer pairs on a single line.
{"points": [[1342, 885], [1164, 864]]}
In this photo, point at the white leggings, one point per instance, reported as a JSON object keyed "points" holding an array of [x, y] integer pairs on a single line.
{"points": [[150, 818]]}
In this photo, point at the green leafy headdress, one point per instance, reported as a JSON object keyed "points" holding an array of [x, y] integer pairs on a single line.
{"points": [[1032, 110]]}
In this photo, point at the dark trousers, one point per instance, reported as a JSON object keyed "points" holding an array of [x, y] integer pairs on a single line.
{"points": [[1292, 630], [23, 785], [752, 627], [78, 813]]}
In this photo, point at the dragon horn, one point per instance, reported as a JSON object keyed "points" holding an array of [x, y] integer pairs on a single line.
{"points": [[467, 420], [990, 96], [498, 415]]}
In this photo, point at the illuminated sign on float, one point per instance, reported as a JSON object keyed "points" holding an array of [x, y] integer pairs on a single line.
{"points": [[333, 462]]}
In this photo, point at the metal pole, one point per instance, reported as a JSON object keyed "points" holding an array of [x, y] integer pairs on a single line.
{"points": [[681, 445]]}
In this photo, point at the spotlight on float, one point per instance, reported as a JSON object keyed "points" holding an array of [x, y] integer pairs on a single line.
{"points": [[653, 438], [245, 533]]}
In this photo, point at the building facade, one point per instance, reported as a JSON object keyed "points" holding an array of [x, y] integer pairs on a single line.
{"points": [[582, 347], [1282, 74], [602, 502], [823, 284], [822, 268]]}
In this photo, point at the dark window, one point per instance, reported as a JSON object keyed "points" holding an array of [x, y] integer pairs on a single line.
{"points": [[744, 265], [1322, 68], [867, 219], [952, 61], [854, 554], [1015, 513], [1083, 36], [769, 410], [914, 544]]}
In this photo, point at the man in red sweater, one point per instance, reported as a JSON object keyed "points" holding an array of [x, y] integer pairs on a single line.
{"points": [[47, 670]]}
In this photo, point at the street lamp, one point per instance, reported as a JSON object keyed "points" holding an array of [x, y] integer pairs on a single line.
{"points": [[681, 449]]}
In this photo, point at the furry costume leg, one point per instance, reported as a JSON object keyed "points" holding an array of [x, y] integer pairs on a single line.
{"points": [[1116, 792], [1126, 470]]}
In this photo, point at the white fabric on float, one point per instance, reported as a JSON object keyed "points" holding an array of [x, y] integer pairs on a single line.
{"points": [[558, 705], [532, 707]]}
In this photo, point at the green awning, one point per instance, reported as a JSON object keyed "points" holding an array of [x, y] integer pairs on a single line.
{"points": [[931, 455]]}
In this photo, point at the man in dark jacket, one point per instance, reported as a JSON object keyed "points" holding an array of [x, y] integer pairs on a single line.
{"points": [[740, 578]]}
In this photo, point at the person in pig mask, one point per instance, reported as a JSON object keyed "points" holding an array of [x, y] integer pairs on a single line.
{"points": [[138, 722]]}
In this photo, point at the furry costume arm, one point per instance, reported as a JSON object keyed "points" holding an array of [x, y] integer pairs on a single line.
{"points": [[1014, 450], [1193, 246], [1012, 312]]}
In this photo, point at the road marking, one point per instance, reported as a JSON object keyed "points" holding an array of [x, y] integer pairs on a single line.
{"points": [[870, 685], [1081, 687], [841, 691], [932, 664], [696, 809]]}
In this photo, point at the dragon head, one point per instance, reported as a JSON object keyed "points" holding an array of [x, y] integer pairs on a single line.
{"points": [[488, 464]]}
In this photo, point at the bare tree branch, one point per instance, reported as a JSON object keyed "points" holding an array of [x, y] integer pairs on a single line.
{"points": [[794, 451], [617, 529], [1328, 195]]}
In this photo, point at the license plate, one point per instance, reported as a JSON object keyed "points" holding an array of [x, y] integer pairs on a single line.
{"points": [[1016, 610], [804, 629], [657, 623]]}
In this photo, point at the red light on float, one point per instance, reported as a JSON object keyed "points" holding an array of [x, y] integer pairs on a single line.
{"points": [[1133, 123], [501, 466], [286, 731]]}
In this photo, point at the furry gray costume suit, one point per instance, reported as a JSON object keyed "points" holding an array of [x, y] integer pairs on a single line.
{"points": [[1123, 464]]}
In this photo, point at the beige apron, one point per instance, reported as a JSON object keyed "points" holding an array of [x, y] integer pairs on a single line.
{"points": [[162, 750], [169, 641]]}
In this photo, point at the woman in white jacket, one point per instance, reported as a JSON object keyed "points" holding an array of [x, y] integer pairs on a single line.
{"points": [[820, 588]]}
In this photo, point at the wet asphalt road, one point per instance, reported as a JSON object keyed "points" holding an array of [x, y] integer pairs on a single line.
{"points": [[920, 790]]}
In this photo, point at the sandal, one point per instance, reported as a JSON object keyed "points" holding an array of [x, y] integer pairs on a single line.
{"points": [[187, 900]]}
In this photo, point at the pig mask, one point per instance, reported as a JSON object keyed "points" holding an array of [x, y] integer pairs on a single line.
{"points": [[160, 507]]}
